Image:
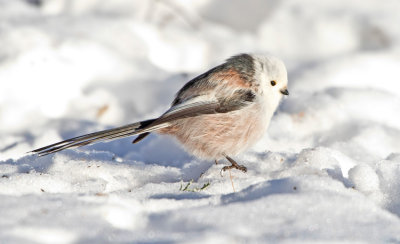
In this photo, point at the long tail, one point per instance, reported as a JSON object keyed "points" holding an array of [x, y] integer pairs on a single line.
{"points": [[143, 127]]}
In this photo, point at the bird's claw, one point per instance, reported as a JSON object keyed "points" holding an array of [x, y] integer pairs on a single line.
{"points": [[235, 166]]}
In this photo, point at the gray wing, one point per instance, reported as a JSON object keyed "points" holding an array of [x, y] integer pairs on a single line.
{"points": [[201, 105]]}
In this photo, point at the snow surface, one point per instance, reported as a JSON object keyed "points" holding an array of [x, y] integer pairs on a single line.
{"points": [[327, 171]]}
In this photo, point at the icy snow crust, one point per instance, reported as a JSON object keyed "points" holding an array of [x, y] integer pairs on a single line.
{"points": [[327, 171]]}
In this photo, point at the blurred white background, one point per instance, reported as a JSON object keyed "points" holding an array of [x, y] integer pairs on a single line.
{"points": [[69, 67]]}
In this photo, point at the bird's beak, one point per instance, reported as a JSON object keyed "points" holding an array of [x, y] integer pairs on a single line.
{"points": [[285, 91]]}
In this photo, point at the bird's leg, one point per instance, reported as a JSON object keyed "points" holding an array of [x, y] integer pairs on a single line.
{"points": [[234, 165], [216, 162]]}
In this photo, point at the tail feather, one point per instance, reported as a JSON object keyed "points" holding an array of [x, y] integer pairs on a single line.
{"points": [[105, 135], [140, 137]]}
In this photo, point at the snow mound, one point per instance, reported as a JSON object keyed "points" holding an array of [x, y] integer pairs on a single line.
{"points": [[327, 170]]}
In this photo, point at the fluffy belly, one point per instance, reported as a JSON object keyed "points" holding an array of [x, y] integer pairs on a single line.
{"points": [[215, 135]]}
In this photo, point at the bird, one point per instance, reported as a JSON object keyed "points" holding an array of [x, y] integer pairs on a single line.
{"points": [[215, 116]]}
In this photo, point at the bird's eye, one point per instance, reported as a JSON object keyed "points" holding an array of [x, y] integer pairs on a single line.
{"points": [[273, 83]]}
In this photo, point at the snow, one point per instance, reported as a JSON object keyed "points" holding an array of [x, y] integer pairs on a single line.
{"points": [[326, 171]]}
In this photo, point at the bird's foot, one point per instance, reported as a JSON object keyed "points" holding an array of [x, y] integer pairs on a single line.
{"points": [[234, 165]]}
